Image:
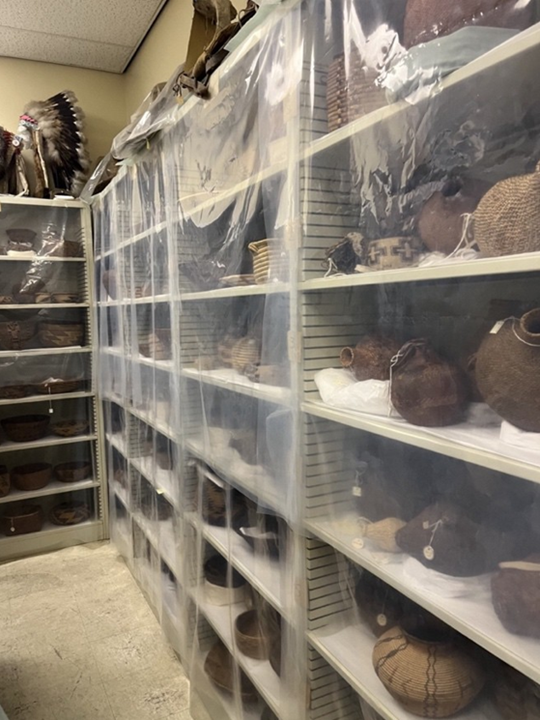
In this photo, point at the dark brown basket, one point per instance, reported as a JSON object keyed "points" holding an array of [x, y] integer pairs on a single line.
{"points": [[73, 471], [16, 334], [14, 392], [70, 513], [351, 97], [219, 666], [61, 333], [54, 387], [70, 428], [5, 481], [516, 697], [516, 596], [21, 239], [21, 518], [32, 476], [371, 358], [26, 428], [218, 572], [61, 248], [507, 371], [250, 637]]}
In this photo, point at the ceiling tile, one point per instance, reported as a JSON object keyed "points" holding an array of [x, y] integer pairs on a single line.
{"points": [[64, 51]]}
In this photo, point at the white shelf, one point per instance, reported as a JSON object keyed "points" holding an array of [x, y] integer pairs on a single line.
{"points": [[122, 494], [260, 672], [230, 379], [241, 291], [480, 446], [46, 398], [42, 306], [160, 534], [38, 352], [53, 488], [40, 259], [348, 649], [154, 422], [507, 265], [262, 572], [57, 202], [146, 300], [48, 441], [473, 616], [165, 365]]}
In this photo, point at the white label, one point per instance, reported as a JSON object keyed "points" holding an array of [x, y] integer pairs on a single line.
{"points": [[426, 524], [498, 325], [429, 553], [357, 491], [382, 620], [358, 543]]}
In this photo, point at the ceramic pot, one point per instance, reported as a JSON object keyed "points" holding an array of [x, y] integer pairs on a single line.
{"points": [[508, 370], [428, 673], [371, 358]]}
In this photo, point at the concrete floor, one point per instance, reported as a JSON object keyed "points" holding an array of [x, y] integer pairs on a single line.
{"points": [[79, 642]]}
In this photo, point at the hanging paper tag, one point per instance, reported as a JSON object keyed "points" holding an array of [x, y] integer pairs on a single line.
{"points": [[357, 491], [426, 524], [495, 329], [382, 620], [358, 543], [429, 552]]}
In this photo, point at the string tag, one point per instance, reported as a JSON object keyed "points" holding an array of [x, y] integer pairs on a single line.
{"points": [[498, 325], [357, 491], [429, 550], [358, 544]]}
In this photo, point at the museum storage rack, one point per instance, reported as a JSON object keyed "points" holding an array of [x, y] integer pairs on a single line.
{"points": [[53, 492], [233, 486]]}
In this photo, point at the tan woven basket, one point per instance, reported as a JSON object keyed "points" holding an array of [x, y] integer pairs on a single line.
{"points": [[70, 428], [250, 637], [270, 261], [26, 428], [61, 333], [32, 476], [5, 481], [246, 352], [507, 219], [430, 678], [383, 534], [353, 95], [70, 513], [16, 334]]}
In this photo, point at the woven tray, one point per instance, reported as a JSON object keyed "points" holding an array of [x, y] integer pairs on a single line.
{"points": [[70, 428], [73, 471], [61, 333], [70, 513], [53, 387]]}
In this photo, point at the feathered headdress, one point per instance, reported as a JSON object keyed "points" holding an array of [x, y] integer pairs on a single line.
{"points": [[57, 125]]}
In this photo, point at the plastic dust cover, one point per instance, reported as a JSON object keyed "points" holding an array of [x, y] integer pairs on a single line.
{"points": [[319, 362]]}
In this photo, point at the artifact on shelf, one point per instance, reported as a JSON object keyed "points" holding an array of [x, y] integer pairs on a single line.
{"points": [[379, 605], [109, 282], [21, 518], [426, 667], [223, 584], [344, 256], [32, 476], [70, 513], [70, 428], [21, 239], [442, 537], [426, 389], [441, 219], [5, 481], [250, 635], [16, 331], [74, 471], [371, 358], [53, 386], [6, 299], [507, 370], [507, 219], [276, 375], [270, 260], [158, 345], [26, 428], [220, 668], [383, 533], [427, 19], [214, 505], [263, 533], [65, 297], [245, 352], [14, 392], [516, 696], [352, 90], [60, 333], [516, 596], [392, 253]]}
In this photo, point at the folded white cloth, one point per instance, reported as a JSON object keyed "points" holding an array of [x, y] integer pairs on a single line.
{"points": [[340, 389], [436, 583], [519, 438]]}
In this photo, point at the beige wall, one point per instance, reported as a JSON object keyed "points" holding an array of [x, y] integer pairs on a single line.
{"points": [[101, 95], [163, 50]]}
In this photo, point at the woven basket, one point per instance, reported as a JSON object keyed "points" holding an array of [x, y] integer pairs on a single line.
{"points": [[516, 697], [219, 666], [54, 386], [426, 20], [516, 596], [26, 428], [73, 471], [393, 252], [250, 637], [353, 95], [158, 345], [61, 333], [383, 534], [21, 518], [5, 481], [23, 237], [70, 428], [245, 352], [507, 371], [427, 674], [371, 358], [65, 297], [14, 392], [61, 248], [507, 219], [16, 334], [32, 476], [70, 513], [223, 584], [427, 390], [270, 261], [379, 605]]}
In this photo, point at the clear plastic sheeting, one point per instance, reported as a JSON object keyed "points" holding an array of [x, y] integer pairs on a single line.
{"points": [[319, 352]]}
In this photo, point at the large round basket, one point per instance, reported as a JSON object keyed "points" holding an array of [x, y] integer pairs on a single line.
{"points": [[26, 428], [70, 513], [219, 666], [70, 428], [21, 239], [351, 91], [73, 471], [427, 674], [16, 334], [5, 481], [32, 476], [57, 386], [516, 596], [61, 333], [21, 518], [249, 635]]}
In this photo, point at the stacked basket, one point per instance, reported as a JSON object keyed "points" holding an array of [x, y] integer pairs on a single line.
{"points": [[270, 261]]}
